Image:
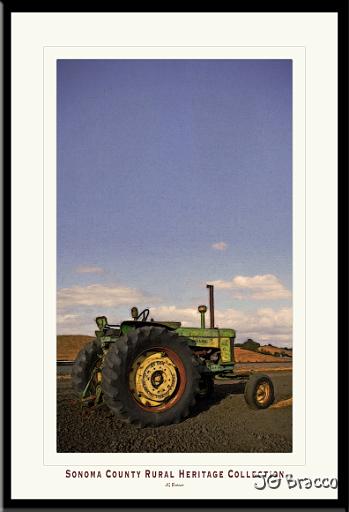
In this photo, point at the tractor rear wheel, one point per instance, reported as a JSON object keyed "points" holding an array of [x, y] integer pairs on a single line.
{"points": [[84, 364], [149, 378], [259, 391]]}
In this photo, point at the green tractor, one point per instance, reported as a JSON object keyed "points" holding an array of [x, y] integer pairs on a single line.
{"points": [[151, 373]]}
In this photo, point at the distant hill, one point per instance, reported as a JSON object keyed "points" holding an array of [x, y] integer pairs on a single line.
{"points": [[270, 349], [249, 344], [68, 346], [265, 349]]}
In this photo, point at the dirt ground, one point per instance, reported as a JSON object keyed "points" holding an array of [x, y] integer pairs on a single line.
{"points": [[223, 423]]}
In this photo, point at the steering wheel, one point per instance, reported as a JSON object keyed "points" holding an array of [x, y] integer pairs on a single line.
{"points": [[144, 314]]}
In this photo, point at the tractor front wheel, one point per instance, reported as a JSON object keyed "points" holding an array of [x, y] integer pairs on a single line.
{"points": [[149, 378], [259, 391]]}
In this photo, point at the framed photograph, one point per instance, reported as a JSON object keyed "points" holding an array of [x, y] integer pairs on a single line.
{"points": [[175, 332]]}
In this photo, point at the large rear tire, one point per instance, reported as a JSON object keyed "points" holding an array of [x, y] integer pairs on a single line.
{"points": [[149, 377], [84, 364]]}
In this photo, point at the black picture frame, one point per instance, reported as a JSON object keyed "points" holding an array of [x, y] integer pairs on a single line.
{"points": [[340, 7]]}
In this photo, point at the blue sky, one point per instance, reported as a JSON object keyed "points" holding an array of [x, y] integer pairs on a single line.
{"points": [[172, 174]]}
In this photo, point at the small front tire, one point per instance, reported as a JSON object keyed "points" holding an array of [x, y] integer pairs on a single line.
{"points": [[259, 391]]}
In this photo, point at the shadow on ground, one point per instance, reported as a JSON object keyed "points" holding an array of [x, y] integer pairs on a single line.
{"points": [[220, 392]]}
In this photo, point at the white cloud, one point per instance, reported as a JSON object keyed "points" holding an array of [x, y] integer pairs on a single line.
{"points": [[77, 307], [259, 287], [220, 246], [265, 325], [85, 269], [97, 295], [75, 324], [66, 318], [188, 316]]}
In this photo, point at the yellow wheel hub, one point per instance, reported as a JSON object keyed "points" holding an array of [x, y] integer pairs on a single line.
{"points": [[263, 393], [153, 379]]}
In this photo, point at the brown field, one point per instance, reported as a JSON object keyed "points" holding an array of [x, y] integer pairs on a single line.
{"points": [[249, 356], [68, 346]]}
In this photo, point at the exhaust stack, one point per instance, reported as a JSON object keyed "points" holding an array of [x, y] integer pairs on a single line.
{"points": [[211, 298]]}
